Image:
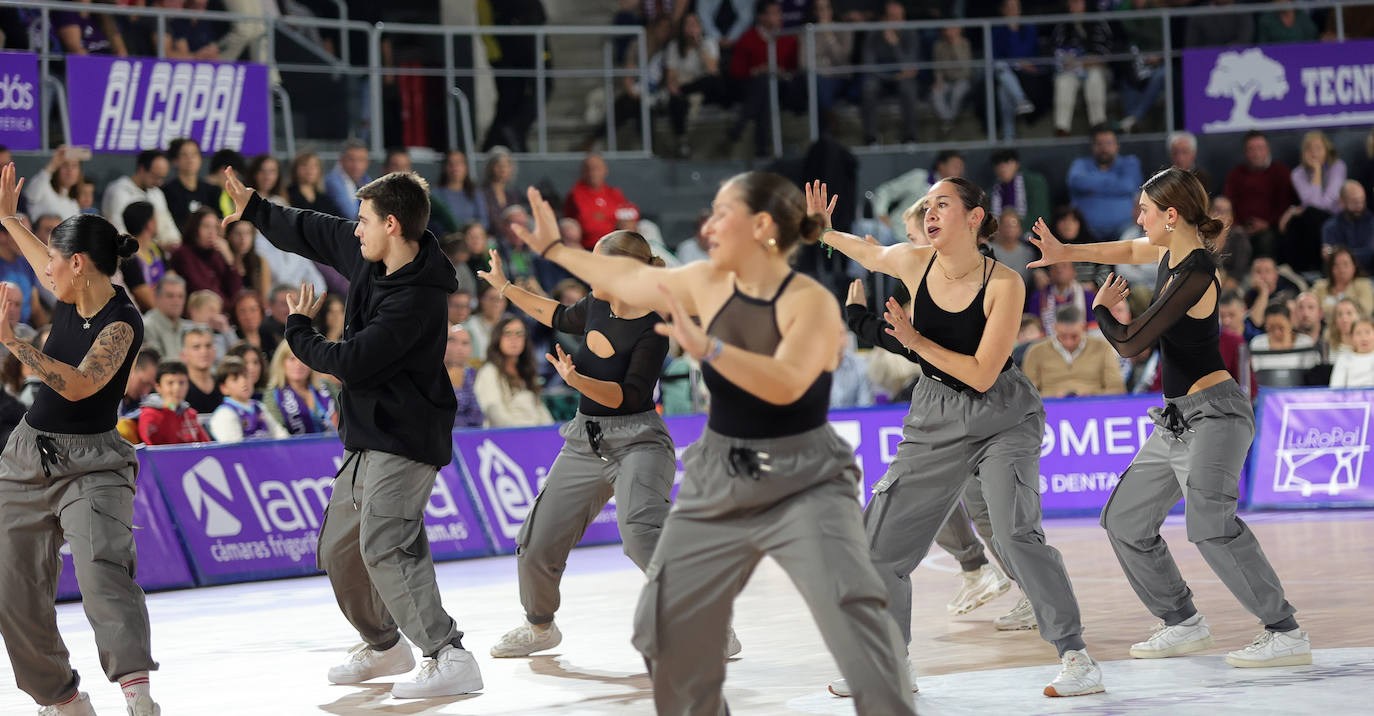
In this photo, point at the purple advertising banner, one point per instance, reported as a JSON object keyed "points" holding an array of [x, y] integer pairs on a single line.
{"points": [[161, 561], [1312, 450], [253, 510], [19, 93], [128, 104], [1296, 86]]}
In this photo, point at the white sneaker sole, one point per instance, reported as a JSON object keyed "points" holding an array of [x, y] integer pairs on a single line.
{"points": [[1095, 689], [847, 694], [1186, 647], [1018, 626], [498, 653], [1290, 660], [979, 599], [396, 671], [465, 686]]}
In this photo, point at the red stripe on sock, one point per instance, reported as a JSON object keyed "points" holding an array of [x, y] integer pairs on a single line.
{"points": [[70, 699], [133, 682]]}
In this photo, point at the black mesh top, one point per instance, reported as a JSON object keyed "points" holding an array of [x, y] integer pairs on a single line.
{"points": [[752, 325], [1188, 346], [637, 353]]}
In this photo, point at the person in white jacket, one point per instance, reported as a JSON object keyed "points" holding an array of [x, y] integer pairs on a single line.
{"points": [[1355, 368], [53, 190], [145, 184], [239, 416], [507, 385]]}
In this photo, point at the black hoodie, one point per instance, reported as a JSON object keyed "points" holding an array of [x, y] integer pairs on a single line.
{"points": [[397, 397]]}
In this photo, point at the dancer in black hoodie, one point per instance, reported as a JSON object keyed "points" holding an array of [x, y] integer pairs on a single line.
{"points": [[396, 409]]}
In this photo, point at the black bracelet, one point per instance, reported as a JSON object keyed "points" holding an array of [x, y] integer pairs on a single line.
{"points": [[545, 253]]}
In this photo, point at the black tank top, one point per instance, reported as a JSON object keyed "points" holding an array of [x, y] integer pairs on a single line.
{"points": [[636, 359], [69, 342], [960, 332], [752, 324]]}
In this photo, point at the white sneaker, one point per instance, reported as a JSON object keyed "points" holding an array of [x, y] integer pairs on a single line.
{"points": [[452, 672], [980, 586], [1183, 638], [840, 687], [527, 639], [144, 706], [1079, 676], [1025, 107], [365, 663], [80, 707], [1288, 648], [1020, 618], [732, 645]]}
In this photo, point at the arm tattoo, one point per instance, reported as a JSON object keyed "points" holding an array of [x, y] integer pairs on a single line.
{"points": [[45, 366], [101, 361]]}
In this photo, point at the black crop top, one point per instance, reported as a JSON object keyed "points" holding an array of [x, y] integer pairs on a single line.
{"points": [[69, 342], [960, 332], [1188, 346], [752, 324], [636, 359]]}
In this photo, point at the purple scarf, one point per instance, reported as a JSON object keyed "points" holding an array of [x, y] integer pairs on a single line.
{"points": [[299, 419], [250, 418]]}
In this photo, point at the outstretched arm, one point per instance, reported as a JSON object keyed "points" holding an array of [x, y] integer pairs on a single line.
{"points": [[891, 260], [34, 250], [318, 237], [1053, 251], [1183, 292], [541, 308]]}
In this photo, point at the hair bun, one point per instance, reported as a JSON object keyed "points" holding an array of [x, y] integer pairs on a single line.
{"points": [[985, 249], [1209, 229], [126, 246], [657, 262], [989, 227], [809, 230]]}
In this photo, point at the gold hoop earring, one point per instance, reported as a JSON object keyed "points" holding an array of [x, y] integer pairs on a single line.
{"points": [[1168, 227]]}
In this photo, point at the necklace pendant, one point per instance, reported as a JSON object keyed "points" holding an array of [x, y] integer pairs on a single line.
{"points": [[87, 324]]}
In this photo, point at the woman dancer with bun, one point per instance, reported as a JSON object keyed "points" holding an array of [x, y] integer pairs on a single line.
{"points": [[974, 414], [769, 476], [1202, 436], [67, 475]]}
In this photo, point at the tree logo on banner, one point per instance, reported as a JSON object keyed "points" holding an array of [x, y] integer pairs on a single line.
{"points": [[217, 520], [1243, 76], [508, 491]]}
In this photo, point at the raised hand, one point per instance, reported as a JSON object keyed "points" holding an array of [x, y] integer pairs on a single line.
{"points": [[563, 363], [9, 191], [692, 337], [305, 302], [241, 194], [494, 275], [1051, 248], [819, 201], [545, 233], [857, 295], [1114, 291], [899, 324]]}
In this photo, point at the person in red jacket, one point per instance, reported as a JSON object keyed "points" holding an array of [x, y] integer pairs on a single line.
{"points": [[165, 418], [1260, 190], [593, 203], [749, 73]]}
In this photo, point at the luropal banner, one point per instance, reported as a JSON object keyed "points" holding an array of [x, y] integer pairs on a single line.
{"points": [[19, 94], [128, 104], [1312, 449], [254, 510], [161, 561], [1295, 86]]}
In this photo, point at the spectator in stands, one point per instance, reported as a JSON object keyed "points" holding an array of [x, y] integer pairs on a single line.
{"points": [[1064, 289], [1030, 332], [186, 192], [307, 190], [278, 308], [889, 47], [696, 248], [249, 35], [749, 74], [592, 202], [1279, 336], [1233, 315], [1285, 25], [1011, 247], [458, 363], [253, 271], [1307, 317], [165, 418], [1070, 362], [1141, 82], [297, 398], [191, 37], [1233, 245], [1071, 228], [142, 381], [1344, 279], [264, 174], [1218, 30], [692, 63], [1012, 46], [893, 197], [1261, 189], [1340, 331], [1106, 185], [397, 160], [1352, 227], [512, 249], [16, 270], [219, 161], [515, 96], [142, 270], [203, 258], [85, 197], [348, 174], [82, 33], [198, 353], [849, 386], [834, 48], [330, 321], [726, 21], [1182, 148], [459, 307], [491, 308], [499, 190], [246, 314], [205, 309], [53, 189], [254, 362], [952, 84], [455, 200], [239, 416], [1078, 47], [13, 297], [1355, 368], [163, 325], [145, 184], [507, 386], [1018, 188], [1267, 285], [1317, 181]]}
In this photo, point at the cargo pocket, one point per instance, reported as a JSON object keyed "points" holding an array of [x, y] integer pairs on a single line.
{"points": [[110, 525], [846, 559], [1026, 504], [645, 637], [1210, 507], [1102, 518], [391, 527], [522, 538], [320, 545]]}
